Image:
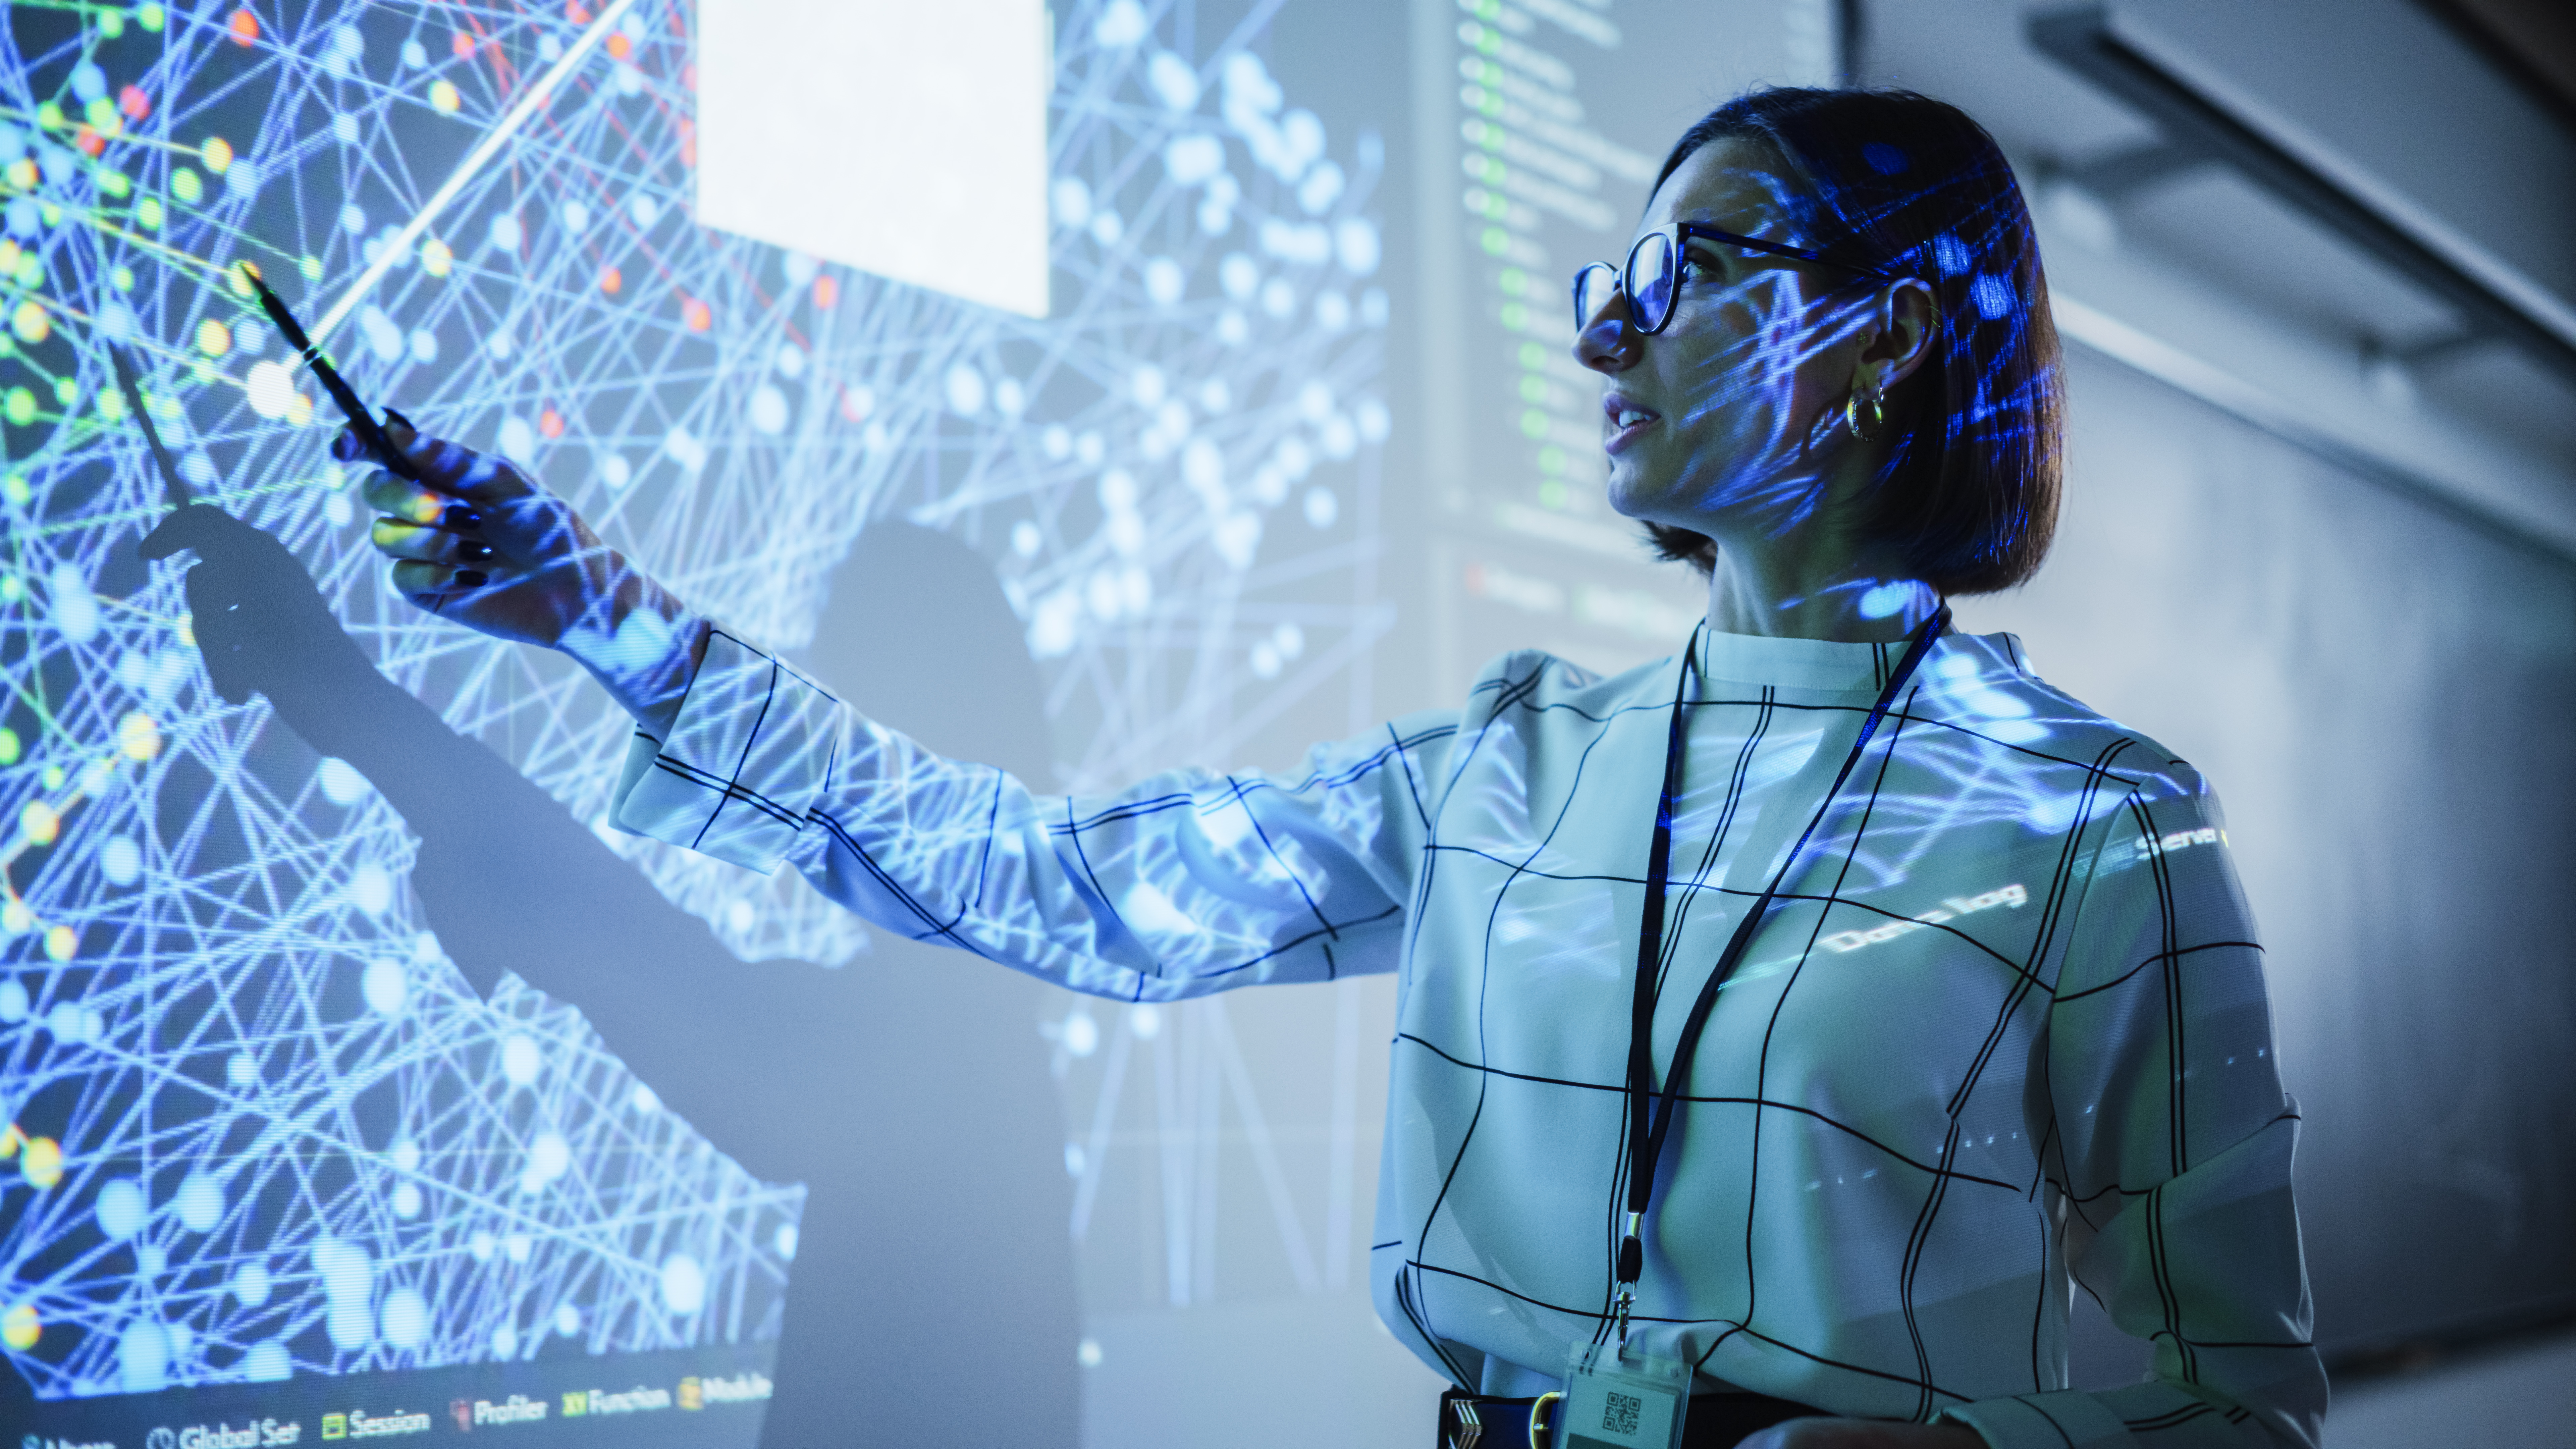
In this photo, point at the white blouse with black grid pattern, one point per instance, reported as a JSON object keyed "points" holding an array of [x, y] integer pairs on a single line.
{"points": [[2006, 1024]]}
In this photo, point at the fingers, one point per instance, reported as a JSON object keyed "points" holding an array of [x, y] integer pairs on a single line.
{"points": [[407, 501], [425, 583], [456, 470], [430, 545]]}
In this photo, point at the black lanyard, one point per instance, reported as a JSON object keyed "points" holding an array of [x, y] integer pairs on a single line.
{"points": [[1645, 1133]]}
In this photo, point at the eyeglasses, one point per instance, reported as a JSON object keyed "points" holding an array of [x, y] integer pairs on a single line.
{"points": [[1651, 281]]}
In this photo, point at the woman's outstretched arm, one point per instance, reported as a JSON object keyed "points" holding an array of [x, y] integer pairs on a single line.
{"points": [[1189, 883]]}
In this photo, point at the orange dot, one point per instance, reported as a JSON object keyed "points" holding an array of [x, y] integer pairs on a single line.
{"points": [[550, 423], [697, 316], [90, 142], [460, 45], [827, 291], [245, 26], [576, 12], [610, 279], [619, 46], [134, 103]]}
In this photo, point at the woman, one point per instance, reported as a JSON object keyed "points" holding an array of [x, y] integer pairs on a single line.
{"points": [[1795, 1014]]}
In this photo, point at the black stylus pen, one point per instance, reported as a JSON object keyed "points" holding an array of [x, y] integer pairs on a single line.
{"points": [[360, 420]]}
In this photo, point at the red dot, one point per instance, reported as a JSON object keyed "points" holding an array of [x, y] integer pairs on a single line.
{"points": [[610, 279], [245, 27], [697, 315], [576, 12], [134, 103], [90, 142], [550, 423], [461, 44]]}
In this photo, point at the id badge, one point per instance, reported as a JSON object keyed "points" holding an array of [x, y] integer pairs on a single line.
{"points": [[1616, 1402]]}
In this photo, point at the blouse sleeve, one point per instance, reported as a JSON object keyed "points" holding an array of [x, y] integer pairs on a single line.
{"points": [[1189, 883], [2171, 1147]]}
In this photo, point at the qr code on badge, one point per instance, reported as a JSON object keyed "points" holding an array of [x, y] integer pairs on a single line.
{"points": [[1619, 1415]]}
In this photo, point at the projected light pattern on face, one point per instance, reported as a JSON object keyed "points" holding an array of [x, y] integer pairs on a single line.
{"points": [[261, 1124], [1894, 381]]}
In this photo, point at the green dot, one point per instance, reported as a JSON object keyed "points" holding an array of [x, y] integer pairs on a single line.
{"points": [[52, 212], [113, 183], [187, 185], [1493, 104], [54, 777], [21, 406], [1533, 355], [1534, 423], [1534, 389], [1496, 241], [8, 746], [8, 345], [66, 391], [149, 17], [1514, 280], [1515, 316], [203, 371], [111, 25], [15, 489], [99, 112], [312, 268], [123, 278], [1551, 494], [1552, 459], [49, 116], [11, 590], [148, 212]]}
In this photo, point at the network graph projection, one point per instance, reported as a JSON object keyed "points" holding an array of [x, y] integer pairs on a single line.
{"points": [[257, 1123]]}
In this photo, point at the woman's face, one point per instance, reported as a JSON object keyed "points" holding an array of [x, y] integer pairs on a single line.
{"points": [[1729, 421]]}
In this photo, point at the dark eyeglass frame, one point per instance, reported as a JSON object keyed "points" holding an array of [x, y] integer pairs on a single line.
{"points": [[1677, 236]]}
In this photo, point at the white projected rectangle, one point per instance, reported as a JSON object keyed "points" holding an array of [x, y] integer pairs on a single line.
{"points": [[903, 139]]}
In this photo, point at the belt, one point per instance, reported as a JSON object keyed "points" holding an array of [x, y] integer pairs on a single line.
{"points": [[1715, 1421]]}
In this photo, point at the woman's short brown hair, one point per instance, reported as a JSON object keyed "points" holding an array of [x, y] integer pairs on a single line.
{"points": [[1907, 185]]}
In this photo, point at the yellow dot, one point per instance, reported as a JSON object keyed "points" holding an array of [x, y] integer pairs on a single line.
{"points": [[62, 943], [16, 919], [11, 1139], [436, 257], [214, 338], [218, 154], [39, 822], [19, 1328], [30, 323], [42, 1163], [138, 736], [443, 98]]}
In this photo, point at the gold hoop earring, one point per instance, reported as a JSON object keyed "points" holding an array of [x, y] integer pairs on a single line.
{"points": [[1877, 415]]}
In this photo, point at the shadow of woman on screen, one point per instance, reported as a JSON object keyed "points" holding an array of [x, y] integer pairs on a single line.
{"points": [[932, 1295]]}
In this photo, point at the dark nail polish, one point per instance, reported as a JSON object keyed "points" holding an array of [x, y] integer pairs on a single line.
{"points": [[460, 516], [399, 418], [475, 551], [470, 578]]}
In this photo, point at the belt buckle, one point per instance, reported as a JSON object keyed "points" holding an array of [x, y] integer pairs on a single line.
{"points": [[1541, 1424]]}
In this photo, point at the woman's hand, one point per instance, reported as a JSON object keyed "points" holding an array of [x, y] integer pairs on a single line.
{"points": [[477, 542], [1862, 1434]]}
